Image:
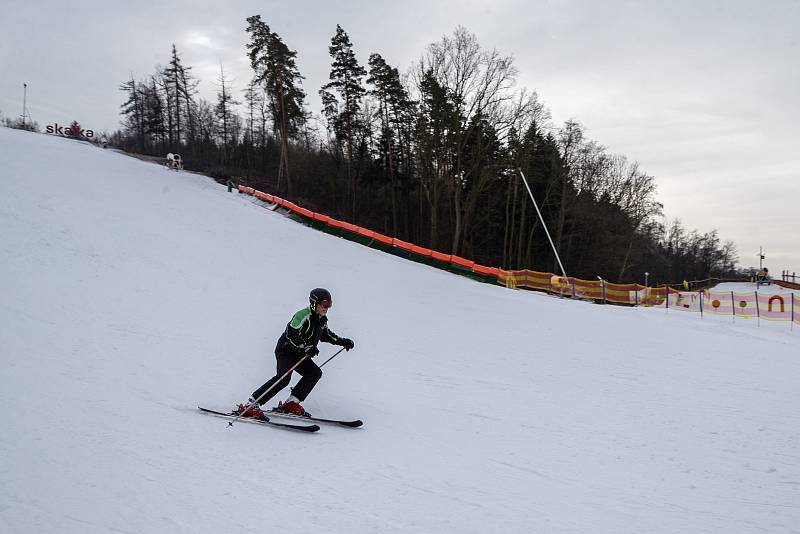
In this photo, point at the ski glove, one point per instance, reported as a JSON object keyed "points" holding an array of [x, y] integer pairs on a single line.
{"points": [[346, 343], [311, 350]]}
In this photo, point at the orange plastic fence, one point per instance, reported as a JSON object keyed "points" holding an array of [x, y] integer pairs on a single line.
{"points": [[402, 244], [304, 212], [589, 289], [765, 306], [622, 293], [321, 218], [486, 271], [445, 258], [525, 278], [350, 227], [796, 308], [461, 262], [421, 251], [366, 233], [385, 239]]}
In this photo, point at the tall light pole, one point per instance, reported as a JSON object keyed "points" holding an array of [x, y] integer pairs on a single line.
{"points": [[24, 103], [543, 224], [646, 276]]}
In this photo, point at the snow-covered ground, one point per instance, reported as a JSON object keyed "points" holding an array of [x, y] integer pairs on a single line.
{"points": [[131, 294]]}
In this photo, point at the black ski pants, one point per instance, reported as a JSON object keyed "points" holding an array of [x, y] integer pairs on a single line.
{"points": [[308, 370]]}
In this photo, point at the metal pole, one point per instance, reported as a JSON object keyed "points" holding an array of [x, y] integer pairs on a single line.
{"points": [[332, 357], [758, 311], [701, 303], [24, 103], [543, 224]]}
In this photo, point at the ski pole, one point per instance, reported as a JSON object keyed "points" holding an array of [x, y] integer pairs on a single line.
{"points": [[332, 357], [287, 373]]}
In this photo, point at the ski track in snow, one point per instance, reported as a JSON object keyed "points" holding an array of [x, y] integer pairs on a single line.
{"points": [[131, 294]]}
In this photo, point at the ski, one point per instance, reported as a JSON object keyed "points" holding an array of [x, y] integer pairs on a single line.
{"points": [[231, 416], [352, 424]]}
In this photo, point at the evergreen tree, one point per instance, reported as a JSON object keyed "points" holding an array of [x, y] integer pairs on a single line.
{"points": [[393, 105], [342, 113], [133, 112], [224, 112], [276, 71], [437, 124], [154, 113], [181, 87]]}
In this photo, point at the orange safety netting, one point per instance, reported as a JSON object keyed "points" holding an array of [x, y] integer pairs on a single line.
{"points": [[795, 308], [771, 307], [775, 307], [684, 300]]}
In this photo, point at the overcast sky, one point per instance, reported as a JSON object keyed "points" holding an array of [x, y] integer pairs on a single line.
{"points": [[705, 95]]}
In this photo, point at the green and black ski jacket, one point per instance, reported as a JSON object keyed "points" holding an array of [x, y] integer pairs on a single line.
{"points": [[305, 329]]}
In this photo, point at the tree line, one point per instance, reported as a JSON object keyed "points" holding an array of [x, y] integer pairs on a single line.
{"points": [[433, 155]]}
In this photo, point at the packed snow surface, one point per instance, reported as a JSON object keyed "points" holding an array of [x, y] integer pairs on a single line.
{"points": [[132, 294]]}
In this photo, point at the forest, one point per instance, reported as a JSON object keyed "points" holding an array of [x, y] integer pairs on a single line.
{"points": [[433, 155]]}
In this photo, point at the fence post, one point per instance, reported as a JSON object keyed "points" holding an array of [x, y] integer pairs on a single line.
{"points": [[758, 312], [701, 303], [733, 307]]}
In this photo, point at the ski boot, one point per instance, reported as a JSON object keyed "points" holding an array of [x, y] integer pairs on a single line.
{"points": [[253, 410], [292, 408]]}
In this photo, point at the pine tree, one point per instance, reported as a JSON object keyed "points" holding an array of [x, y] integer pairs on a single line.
{"points": [[437, 124], [133, 111], [154, 112], [182, 87], [393, 105], [224, 113], [343, 113], [276, 71]]}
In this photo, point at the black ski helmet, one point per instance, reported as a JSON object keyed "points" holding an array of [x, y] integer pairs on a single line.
{"points": [[320, 295]]}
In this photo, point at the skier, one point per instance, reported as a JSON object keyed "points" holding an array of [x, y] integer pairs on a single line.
{"points": [[306, 328]]}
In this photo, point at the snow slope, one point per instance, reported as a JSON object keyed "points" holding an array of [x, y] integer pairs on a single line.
{"points": [[131, 294]]}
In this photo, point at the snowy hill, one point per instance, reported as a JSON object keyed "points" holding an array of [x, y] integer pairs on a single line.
{"points": [[131, 294]]}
